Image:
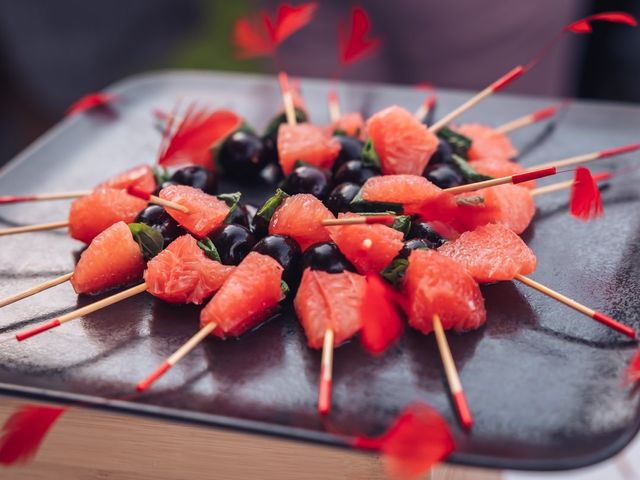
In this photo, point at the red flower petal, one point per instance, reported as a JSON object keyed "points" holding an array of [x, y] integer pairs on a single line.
{"points": [[289, 19], [251, 39], [584, 24], [24, 431], [355, 43], [586, 203], [90, 101], [632, 374], [381, 323]]}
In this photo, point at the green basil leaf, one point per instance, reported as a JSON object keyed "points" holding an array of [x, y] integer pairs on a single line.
{"points": [[149, 239], [459, 143], [209, 249], [358, 204], [270, 206], [231, 199], [370, 156], [468, 172], [394, 272], [402, 223], [161, 174], [285, 288], [274, 123]]}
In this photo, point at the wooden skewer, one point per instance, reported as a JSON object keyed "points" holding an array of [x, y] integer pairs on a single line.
{"points": [[334, 107], [326, 373], [534, 117], [515, 179], [287, 98], [37, 289], [100, 304], [453, 379], [8, 199], [426, 106], [496, 86], [555, 187], [588, 157], [34, 228], [598, 316], [176, 357], [359, 220]]}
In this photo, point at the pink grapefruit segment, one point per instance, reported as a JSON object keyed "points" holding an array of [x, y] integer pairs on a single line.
{"points": [[370, 248], [329, 300], [307, 143], [487, 142], [491, 253], [206, 212], [140, 177], [94, 213], [112, 259], [247, 297], [182, 273], [434, 284], [403, 144], [300, 217]]}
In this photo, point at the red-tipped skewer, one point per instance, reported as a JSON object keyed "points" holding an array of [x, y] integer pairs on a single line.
{"points": [[529, 119], [555, 187], [326, 373], [287, 98], [589, 157], [334, 106], [451, 372], [425, 107], [515, 179]]}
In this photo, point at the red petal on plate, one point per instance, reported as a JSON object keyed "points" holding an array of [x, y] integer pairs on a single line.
{"points": [[584, 24], [90, 101], [418, 439], [586, 203], [354, 43], [381, 323], [199, 130], [289, 19], [251, 38], [24, 431], [632, 374]]}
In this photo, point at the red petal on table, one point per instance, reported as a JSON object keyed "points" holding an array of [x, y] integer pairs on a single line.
{"points": [[418, 439], [586, 203], [289, 19], [632, 374], [199, 130], [90, 101], [24, 431], [381, 323], [354, 42], [584, 24], [251, 38]]}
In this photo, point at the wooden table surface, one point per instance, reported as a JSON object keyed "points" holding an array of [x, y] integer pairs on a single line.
{"points": [[90, 445]]}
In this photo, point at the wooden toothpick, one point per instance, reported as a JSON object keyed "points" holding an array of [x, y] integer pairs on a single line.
{"points": [[34, 228], [37, 289], [326, 373]]}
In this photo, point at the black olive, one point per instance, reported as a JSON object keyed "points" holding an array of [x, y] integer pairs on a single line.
{"points": [[286, 251], [354, 171], [414, 244], [425, 231], [339, 200], [443, 154], [196, 177], [270, 149], [241, 157], [350, 149], [307, 179], [243, 215], [327, 257], [157, 218], [444, 175], [233, 243]]}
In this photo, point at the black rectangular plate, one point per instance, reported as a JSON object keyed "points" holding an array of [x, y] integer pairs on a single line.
{"points": [[544, 383]]}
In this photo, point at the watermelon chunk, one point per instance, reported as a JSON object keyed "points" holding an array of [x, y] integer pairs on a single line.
{"points": [[141, 177], [206, 212], [496, 167], [112, 259], [94, 213], [491, 253], [307, 143], [329, 300], [370, 248], [300, 217], [182, 273], [487, 142], [510, 205], [402, 142], [435, 284], [249, 295]]}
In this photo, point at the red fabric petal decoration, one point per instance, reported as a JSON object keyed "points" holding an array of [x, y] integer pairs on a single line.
{"points": [[418, 439], [354, 43], [199, 130], [252, 39], [24, 431], [584, 24], [632, 375], [381, 323], [289, 19], [586, 203], [91, 101]]}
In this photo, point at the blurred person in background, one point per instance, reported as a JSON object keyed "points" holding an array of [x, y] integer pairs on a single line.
{"points": [[52, 53]]}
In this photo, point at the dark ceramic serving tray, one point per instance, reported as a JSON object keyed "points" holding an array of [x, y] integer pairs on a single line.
{"points": [[544, 382]]}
